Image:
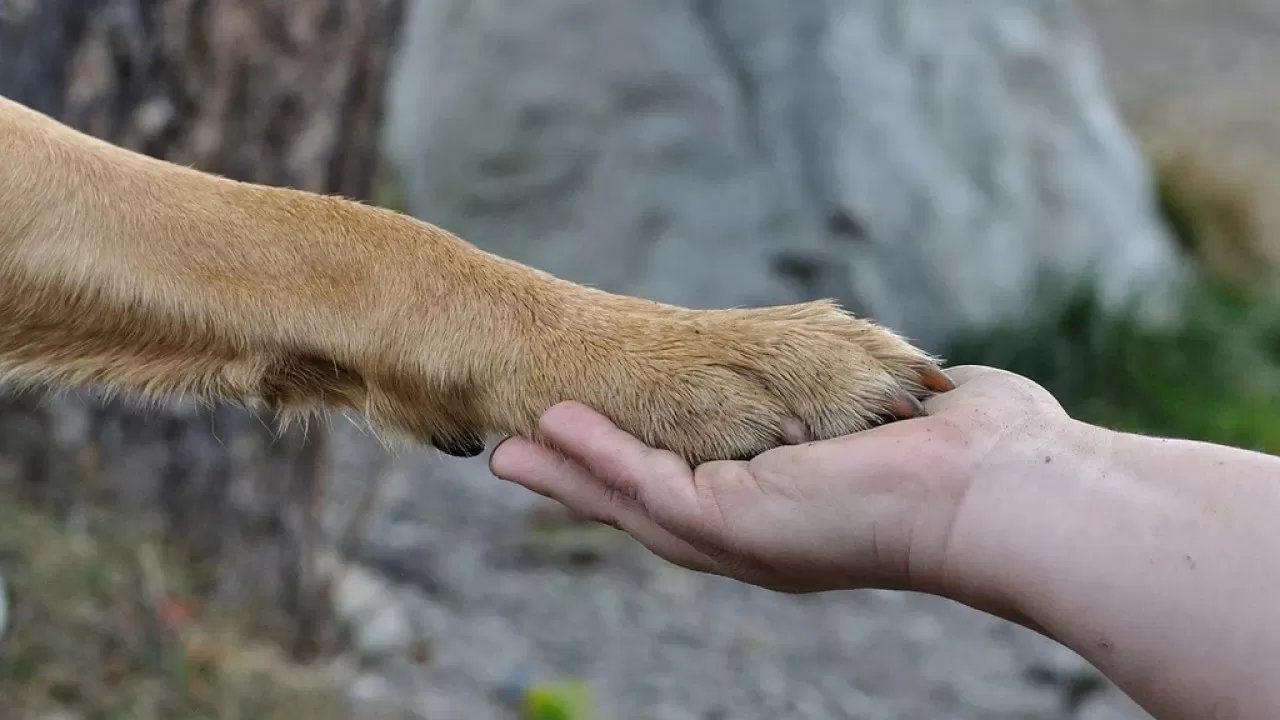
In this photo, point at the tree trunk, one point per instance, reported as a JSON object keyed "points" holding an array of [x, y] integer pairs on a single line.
{"points": [[275, 92]]}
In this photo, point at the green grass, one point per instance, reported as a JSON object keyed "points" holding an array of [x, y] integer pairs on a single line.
{"points": [[1213, 377]]}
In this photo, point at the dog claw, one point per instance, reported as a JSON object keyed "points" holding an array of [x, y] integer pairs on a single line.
{"points": [[905, 407], [936, 380], [795, 432], [466, 446]]}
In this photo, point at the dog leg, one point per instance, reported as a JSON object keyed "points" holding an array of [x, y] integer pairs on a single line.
{"points": [[129, 273]]}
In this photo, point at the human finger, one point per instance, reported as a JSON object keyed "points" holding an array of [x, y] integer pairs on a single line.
{"points": [[550, 474], [659, 480]]}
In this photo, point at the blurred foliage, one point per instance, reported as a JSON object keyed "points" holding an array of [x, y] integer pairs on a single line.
{"points": [[101, 628], [563, 700], [388, 189], [1212, 216], [1214, 376]]}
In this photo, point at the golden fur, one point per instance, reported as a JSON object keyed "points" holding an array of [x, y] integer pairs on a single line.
{"points": [[128, 273]]}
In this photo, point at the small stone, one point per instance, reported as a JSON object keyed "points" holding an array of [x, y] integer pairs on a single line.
{"points": [[379, 623]]}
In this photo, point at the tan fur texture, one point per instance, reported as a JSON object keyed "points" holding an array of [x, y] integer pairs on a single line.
{"points": [[128, 273]]}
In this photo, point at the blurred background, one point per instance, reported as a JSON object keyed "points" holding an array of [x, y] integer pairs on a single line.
{"points": [[1074, 190]]}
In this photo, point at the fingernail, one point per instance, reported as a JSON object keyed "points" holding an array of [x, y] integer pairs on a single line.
{"points": [[493, 455], [500, 443]]}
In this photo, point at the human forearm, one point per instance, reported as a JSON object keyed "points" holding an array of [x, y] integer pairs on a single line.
{"points": [[1155, 559]]}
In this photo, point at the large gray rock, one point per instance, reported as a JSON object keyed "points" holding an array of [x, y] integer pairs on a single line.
{"points": [[933, 165]]}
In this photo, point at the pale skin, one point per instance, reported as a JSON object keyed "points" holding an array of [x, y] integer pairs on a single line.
{"points": [[1155, 559]]}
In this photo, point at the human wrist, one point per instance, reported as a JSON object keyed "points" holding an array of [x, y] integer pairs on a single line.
{"points": [[1146, 553], [1021, 504]]}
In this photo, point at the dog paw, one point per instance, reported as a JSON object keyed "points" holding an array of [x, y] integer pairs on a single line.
{"points": [[730, 384]]}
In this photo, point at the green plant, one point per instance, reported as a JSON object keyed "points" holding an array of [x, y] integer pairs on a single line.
{"points": [[565, 700], [1214, 377]]}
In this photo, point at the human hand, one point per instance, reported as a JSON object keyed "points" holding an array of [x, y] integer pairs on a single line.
{"points": [[1148, 556], [874, 509]]}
